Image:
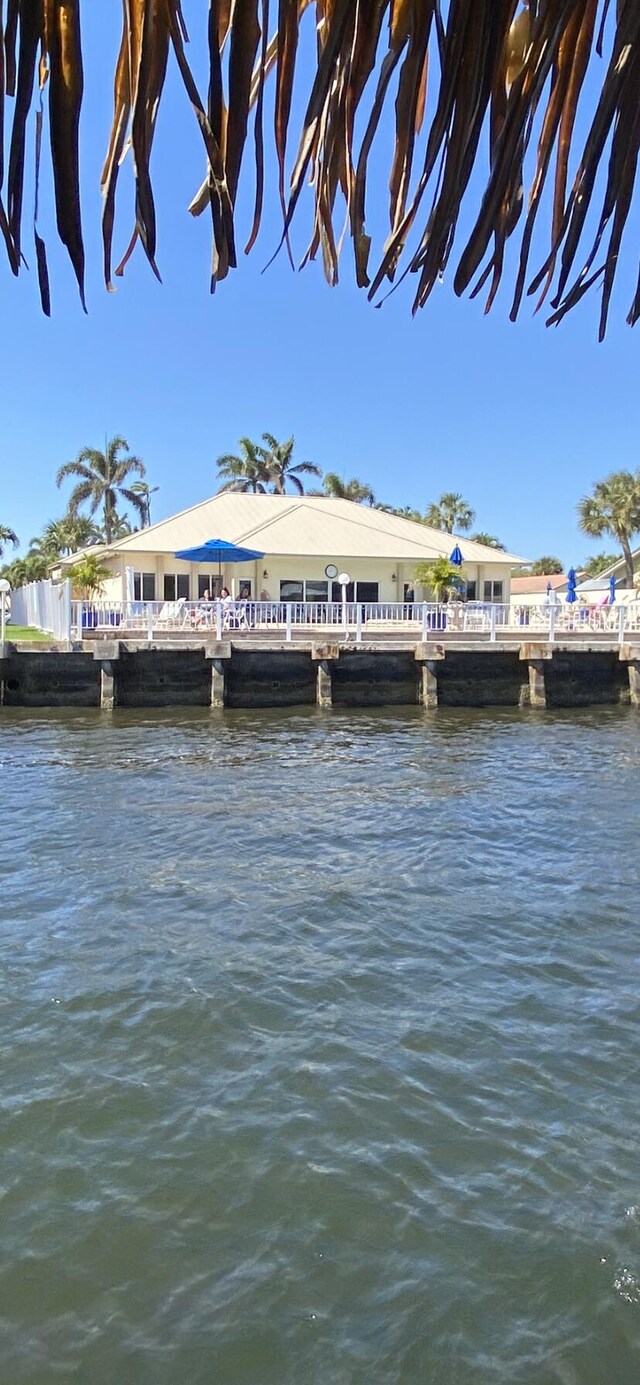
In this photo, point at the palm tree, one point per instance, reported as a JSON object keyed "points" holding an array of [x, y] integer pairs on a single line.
{"points": [[33, 568], [102, 481], [546, 567], [88, 576], [404, 512], [439, 575], [143, 489], [450, 512], [7, 536], [121, 527], [599, 562], [489, 541], [339, 489], [247, 471], [62, 536], [614, 508], [278, 458], [509, 49]]}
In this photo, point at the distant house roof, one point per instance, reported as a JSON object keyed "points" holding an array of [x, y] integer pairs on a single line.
{"points": [[533, 586], [308, 526], [594, 584]]}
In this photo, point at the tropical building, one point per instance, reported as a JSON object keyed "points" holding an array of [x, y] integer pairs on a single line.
{"points": [[307, 542]]}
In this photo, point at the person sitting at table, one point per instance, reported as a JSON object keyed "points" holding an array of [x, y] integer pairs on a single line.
{"points": [[204, 608]]}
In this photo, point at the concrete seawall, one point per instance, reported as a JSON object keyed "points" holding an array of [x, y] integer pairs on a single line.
{"points": [[109, 674]]}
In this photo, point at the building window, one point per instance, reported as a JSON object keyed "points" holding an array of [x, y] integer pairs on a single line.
{"points": [[144, 586], [367, 591], [493, 591], [208, 585], [291, 590], [176, 586], [357, 591], [472, 591], [316, 591]]}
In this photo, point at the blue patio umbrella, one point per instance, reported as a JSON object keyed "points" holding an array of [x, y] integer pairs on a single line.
{"points": [[456, 557], [571, 586], [612, 590], [218, 551]]}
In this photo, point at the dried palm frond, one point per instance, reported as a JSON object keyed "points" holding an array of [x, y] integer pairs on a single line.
{"points": [[485, 94]]}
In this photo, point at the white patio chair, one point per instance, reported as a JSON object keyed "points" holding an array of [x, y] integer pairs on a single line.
{"points": [[170, 615], [234, 615]]}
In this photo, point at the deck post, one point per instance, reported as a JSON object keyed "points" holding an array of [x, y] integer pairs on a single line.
{"points": [[537, 685], [218, 688], [107, 654], [429, 685], [535, 656], [324, 655], [218, 654], [324, 686], [634, 682], [107, 686], [429, 656], [630, 655]]}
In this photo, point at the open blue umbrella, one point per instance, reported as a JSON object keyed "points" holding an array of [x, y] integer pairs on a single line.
{"points": [[571, 586], [218, 551], [612, 590], [456, 557]]}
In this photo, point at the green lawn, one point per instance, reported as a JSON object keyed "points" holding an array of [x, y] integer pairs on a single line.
{"points": [[23, 632]]}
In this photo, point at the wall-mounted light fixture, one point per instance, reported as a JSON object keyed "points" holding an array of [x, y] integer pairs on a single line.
{"points": [[393, 576], [265, 573]]}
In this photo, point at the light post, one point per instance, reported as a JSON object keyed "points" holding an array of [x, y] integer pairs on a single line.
{"points": [[344, 580], [5, 588]]}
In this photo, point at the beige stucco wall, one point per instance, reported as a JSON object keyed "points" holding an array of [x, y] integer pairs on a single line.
{"points": [[391, 576]]}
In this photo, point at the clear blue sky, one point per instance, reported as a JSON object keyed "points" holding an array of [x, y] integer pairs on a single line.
{"points": [[521, 419]]}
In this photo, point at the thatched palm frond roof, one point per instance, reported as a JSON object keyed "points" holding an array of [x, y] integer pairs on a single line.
{"points": [[446, 72]]}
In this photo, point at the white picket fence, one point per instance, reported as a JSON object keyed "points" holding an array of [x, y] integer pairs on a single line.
{"points": [[44, 606]]}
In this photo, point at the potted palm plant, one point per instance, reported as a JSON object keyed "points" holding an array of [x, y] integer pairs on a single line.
{"points": [[441, 578], [87, 578]]}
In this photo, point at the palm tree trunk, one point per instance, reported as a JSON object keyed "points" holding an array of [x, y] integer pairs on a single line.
{"points": [[108, 522], [628, 559]]}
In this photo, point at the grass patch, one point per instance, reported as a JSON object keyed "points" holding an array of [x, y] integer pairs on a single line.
{"points": [[16, 633]]}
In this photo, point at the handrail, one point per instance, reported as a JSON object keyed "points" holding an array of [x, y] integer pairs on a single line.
{"points": [[49, 607]]}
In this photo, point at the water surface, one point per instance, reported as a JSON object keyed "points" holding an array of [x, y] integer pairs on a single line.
{"points": [[320, 1045]]}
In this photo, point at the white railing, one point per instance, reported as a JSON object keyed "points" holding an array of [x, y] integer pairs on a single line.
{"points": [[48, 606], [421, 620], [43, 606]]}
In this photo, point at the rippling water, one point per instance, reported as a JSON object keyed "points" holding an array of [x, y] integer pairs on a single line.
{"points": [[320, 1043]]}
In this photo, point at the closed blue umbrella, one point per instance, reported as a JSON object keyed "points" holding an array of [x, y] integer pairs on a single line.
{"points": [[571, 586], [612, 590], [456, 557], [218, 551]]}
